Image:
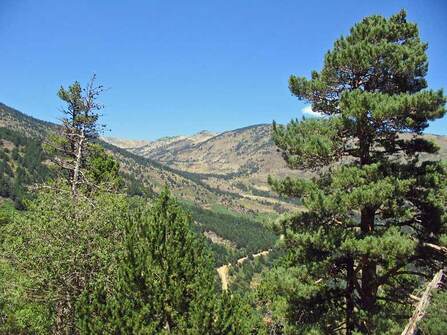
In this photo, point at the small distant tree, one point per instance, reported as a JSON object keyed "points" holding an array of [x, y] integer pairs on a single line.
{"points": [[80, 127], [373, 209]]}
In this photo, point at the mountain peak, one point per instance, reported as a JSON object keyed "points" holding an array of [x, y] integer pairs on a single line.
{"points": [[125, 143]]}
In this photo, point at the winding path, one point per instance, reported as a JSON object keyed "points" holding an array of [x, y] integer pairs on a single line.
{"points": [[224, 270]]}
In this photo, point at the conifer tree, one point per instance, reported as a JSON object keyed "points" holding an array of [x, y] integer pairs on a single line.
{"points": [[235, 316], [70, 149], [165, 283], [373, 209], [102, 170]]}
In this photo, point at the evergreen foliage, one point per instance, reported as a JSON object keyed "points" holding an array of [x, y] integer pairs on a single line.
{"points": [[71, 148], [164, 284], [51, 251], [79, 258], [435, 320], [20, 167], [247, 275], [244, 231], [359, 250], [102, 170], [235, 315]]}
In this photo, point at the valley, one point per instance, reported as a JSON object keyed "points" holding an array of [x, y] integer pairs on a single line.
{"points": [[230, 201], [221, 178], [223, 168]]}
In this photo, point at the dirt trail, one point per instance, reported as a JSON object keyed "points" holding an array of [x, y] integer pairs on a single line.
{"points": [[223, 275], [224, 270]]}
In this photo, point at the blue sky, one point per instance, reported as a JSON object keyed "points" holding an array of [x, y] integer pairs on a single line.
{"points": [[177, 67]]}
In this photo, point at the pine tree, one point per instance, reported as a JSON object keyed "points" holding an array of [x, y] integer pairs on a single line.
{"points": [[102, 170], [235, 316], [165, 282], [80, 127], [373, 209]]}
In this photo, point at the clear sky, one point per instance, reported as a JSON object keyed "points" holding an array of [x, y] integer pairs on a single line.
{"points": [[178, 67]]}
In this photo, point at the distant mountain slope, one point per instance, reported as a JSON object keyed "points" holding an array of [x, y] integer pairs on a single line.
{"points": [[236, 162], [220, 214], [219, 177], [18, 121], [164, 146], [22, 163], [155, 174], [151, 174], [441, 142], [125, 144], [222, 153]]}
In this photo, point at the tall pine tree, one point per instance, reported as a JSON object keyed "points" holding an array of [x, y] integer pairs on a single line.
{"points": [[373, 209]]}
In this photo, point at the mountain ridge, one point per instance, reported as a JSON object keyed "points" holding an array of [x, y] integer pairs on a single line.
{"points": [[221, 216], [239, 161], [221, 178], [229, 168], [154, 174]]}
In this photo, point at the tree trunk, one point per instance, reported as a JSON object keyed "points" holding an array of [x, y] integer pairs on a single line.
{"points": [[64, 321], [350, 297], [77, 165], [368, 292]]}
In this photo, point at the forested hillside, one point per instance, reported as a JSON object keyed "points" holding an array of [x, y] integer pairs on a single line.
{"points": [[25, 164], [22, 164]]}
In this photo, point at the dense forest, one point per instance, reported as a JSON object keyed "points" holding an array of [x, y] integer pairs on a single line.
{"points": [[21, 165], [88, 247]]}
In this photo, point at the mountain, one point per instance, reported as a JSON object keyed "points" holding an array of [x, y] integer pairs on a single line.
{"points": [[171, 144], [150, 173], [168, 143], [124, 143], [236, 162], [220, 177], [31, 127], [233, 221], [213, 153]]}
